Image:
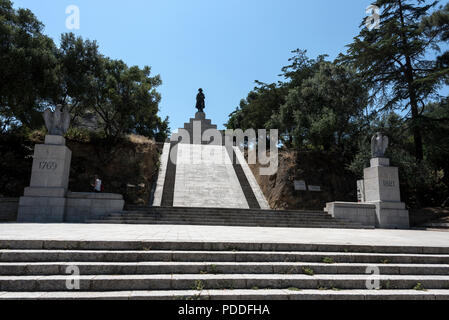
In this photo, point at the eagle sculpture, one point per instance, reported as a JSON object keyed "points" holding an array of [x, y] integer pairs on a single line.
{"points": [[57, 122], [379, 144]]}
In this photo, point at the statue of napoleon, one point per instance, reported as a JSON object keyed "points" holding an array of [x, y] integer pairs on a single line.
{"points": [[200, 98]]}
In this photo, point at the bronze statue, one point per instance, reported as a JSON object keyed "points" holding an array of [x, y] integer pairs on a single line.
{"points": [[57, 122], [200, 104], [379, 144]]}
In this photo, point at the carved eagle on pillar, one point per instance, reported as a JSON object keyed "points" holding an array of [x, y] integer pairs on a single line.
{"points": [[57, 122], [379, 144]]}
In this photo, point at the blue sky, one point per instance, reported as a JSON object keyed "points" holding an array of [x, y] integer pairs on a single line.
{"points": [[219, 45]]}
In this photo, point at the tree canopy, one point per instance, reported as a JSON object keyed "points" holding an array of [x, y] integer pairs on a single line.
{"points": [[389, 79], [36, 74]]}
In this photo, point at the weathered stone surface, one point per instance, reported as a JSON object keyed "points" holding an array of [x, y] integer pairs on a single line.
{"points": [[382, 184], [51, 167], [391, 215], [94, 196], [363, 213], [42, 209], [161, 176], [84, 206], [205, 177], [380, 162], [45, 192], [54, 140], [8, 209]]}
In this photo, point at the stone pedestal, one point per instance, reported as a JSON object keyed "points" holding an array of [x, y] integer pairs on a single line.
{"points": [[199, 130], [379, 199], [381, 184], [363, 213], [45, 199]]}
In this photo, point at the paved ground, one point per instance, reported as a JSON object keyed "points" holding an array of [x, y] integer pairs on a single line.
{"points": [[73, 232]]}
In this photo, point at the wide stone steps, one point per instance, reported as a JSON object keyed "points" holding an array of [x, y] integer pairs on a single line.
{"points": [[123, 268], [223, 218], [215, 256], [211, 270], [225, 281], [266, 294], [226, 217], [279, 247], [437, 225], [229, 224], [142, 209]]}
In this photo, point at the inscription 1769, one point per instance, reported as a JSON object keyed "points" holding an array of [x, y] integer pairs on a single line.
{"points": [[48, 165]]}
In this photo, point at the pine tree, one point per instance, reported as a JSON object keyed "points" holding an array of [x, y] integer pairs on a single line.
{"points": [[394, 60]]}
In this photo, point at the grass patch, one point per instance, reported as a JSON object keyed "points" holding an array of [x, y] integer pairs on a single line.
{"points": [[419, 287], [199, 285], [212, 269], [293, 289], [336, 289], [308, 271], [328, 260], [387, 285]]}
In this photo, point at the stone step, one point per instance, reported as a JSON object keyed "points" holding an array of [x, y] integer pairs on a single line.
{"points": [[230, 282], [279, 247], [214, 214], [436, 225], [226, 217], [121, 268], [270, 294], [134, 209], [268, 221], [335, 225], [216, 256], [229, 221]]}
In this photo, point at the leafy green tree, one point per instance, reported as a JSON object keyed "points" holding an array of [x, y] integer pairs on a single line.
{"points": [[79, 67], [126, 100], [27, 68], [255, 111], [265, 101], [325, 111], [437, 26], [394, 61]]}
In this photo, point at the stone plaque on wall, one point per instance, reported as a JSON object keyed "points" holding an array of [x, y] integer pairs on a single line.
{"points": [[300, 185], [315, 188]]}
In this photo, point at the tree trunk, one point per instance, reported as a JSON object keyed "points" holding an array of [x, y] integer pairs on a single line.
{"points": [[408, 72]]}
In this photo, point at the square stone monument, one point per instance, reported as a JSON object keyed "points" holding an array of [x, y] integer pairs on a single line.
{"points": [[381, 185], [45, 199], [378, 194]]}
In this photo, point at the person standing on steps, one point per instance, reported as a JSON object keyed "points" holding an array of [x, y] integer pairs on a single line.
{"points": [[98, 185]]}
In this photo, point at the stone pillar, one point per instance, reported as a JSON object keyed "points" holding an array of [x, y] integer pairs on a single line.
{"points": [[381, 184], [45, 199]]}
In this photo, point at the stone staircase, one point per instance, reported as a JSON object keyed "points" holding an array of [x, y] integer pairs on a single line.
{"points": [[227, 217], [210, 270]]}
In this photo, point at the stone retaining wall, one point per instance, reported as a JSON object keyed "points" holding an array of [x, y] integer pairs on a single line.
{"points": [[82, 207], [8, 209]]}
